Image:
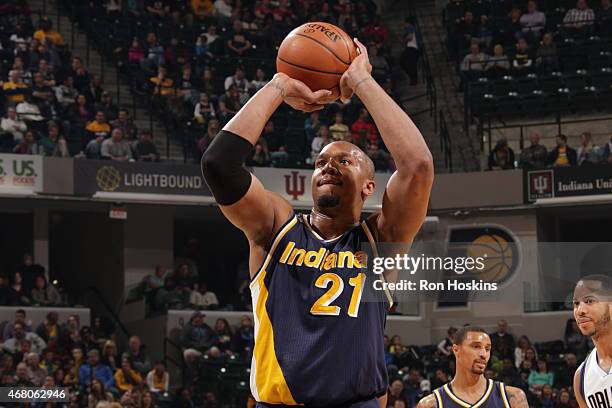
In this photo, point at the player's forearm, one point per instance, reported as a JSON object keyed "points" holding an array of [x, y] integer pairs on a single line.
{"points": [[401, 136], [251, 119]]}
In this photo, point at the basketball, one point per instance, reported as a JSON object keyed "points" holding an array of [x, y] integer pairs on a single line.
{"points": [[316, 54]]}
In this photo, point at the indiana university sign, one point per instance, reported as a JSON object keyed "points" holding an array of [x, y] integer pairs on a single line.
{"points": [[568, 182]]}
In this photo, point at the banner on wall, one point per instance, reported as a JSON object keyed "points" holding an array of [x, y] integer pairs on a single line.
{"points": [[21, 173], [93, 176], [568, 182]]}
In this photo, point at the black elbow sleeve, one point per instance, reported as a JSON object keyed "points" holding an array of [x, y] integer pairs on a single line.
{"points": [[223, 170]]}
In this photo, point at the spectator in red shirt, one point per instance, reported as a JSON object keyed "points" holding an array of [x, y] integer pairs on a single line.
{"points": [[377, 32], [363, 127]]}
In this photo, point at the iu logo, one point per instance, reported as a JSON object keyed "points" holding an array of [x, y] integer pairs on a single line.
{"points": [[540, 184], [294, 184]]}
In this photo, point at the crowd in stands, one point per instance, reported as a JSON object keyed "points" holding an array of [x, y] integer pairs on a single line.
{"points": [[51, 105], [545, 371], [536, 156], [197, 63]]}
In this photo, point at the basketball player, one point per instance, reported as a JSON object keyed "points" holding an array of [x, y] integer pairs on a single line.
{"points": [[316, 342], [469, 388], [592, 311]]}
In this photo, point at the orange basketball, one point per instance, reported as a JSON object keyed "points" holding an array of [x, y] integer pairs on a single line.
{"points": [[316, 54]]}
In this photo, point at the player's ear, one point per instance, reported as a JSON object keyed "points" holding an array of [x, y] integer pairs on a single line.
{"points": [[369, 186], [455, 348]]}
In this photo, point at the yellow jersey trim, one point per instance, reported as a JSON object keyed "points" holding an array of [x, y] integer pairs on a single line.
{"points": [[481, 401], [366, 229], [502, 387], [438, 399]]}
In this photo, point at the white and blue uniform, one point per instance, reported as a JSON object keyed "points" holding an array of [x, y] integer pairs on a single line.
{"points": [[595, 383]]}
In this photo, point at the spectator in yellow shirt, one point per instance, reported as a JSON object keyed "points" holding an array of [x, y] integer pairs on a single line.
{"points": [[126, 377], [98, 127], [339, 130], [202, 8], [15, 90], [163, 85], [45, 32]]}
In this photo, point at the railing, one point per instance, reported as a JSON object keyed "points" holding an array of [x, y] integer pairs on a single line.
{"points": [[171, 344], [445, 143], [114, 317]]}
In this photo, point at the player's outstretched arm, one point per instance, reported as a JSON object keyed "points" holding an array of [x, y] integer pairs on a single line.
{"points": [[428, 402], [240, 195], [516, 397], [406, 197], [578, 388]]}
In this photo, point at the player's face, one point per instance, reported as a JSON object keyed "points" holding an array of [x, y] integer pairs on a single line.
{"points": [[474, 353], [591, 310], [340, 175]]}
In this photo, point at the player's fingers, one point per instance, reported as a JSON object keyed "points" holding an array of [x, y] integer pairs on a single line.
{"points": [[345, 91], [361, 48]]}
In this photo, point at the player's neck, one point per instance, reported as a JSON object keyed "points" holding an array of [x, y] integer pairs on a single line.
{"points": [[603, 343], [332, 225], [467, 380]]}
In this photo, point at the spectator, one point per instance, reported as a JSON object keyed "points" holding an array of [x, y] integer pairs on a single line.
{"points": [[164, 86], [21, 376], [98, 127], [202, 52], [311, 126], [154, 281], [66, 94], [93, 369], [499, 64], [397, 392], [562, 155], [126, 378], [501, 157], [604, 18], [224, 333], [533, 22], [79, 75], [211, 131], [158, 379], [319, 142], [35, 374], [145, 149], [363, 130], [512, 29], [125, 123], [380, 65], [238, 45], [564, 375], [203, 298], [244, 338], [186, 86], [607, 151], [564, 400], [339, 130], [213, 45], [580, 19], [575, 342], [12, 126], [49, 143], [154, 54], [441, 377], [14, 89], [135, 53], [229, 104], [240, 82], [30, 113], [588, 153], [137, 356], [204, 110], [98, 393], [259, 157], [20, 317], [508, 373], [413, 387], [445, 347], [502, 336], [93, 149], [50, 331], [115, 148], [169, 295], [47, 33], [484, 34], [380, 157], [208, 83], [42, 95], [197, 337], [259, 82], [538, 378], [546, 55], [520, 351], [202, 8], [106, 105], [19, 292], [109, 355], [79, 114], [20, 336], [523, 60], [465, 30], [475, 61], [533, 157]]}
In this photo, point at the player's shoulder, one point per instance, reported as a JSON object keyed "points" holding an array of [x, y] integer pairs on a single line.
{"points": [[516, 397], [429, 401]]}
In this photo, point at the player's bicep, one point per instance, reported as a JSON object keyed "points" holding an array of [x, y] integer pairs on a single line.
{"points": [[257, 212], [516, 397], [578, 389], [428, 402], [405, 204]]}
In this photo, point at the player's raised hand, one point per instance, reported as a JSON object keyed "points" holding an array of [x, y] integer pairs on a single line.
{"points": [[297, 95], [359, 71]]}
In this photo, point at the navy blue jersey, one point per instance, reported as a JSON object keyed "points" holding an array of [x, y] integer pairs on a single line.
{"points": [[494, 397], [316, 342]]}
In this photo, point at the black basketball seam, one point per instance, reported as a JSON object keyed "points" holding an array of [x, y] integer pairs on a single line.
{"points": [[310, 69], [327, 48], [346, 44]]}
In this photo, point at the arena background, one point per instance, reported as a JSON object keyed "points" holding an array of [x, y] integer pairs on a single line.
{"points": [[97, 229]]}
